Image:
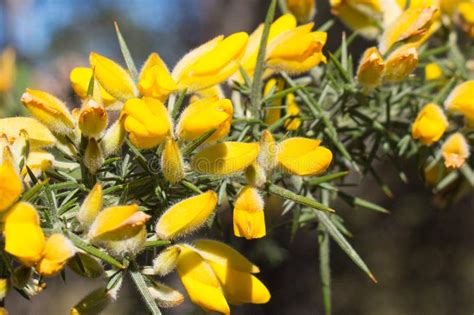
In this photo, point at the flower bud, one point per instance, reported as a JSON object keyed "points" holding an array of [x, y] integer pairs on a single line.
{"points": [[297, 50], [57, 251], [91, 206], [112, 77], [49, 110], [433, 72], [155, 79], [461, 100], [94, 303], [92, 118], [172, 164], [80, 78], [147, 122], [11, 185], [166, 261], [203, 115], [292, 109], [455, 151], [38, 134], [255, 175], [371, 68], [430, 124], [225, 158], [303, 10], [400, 64], [186, 216], [114, 137], [303, 156], [130, 246], [165, 296], [210, 63], [249, 218], [93, 156], [268, 155], [7, 69]]}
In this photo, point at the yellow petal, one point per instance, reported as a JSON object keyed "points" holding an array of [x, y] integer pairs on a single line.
{"points": [[304, 156], [212, 64], [292, 109], [240, 287], [249, 219], [118, 223], [147, 122], [304, 10], [400, 64], [410, 26], [186, 216], [455, 150], [49, 110], [155, 79], [172, 164], [430, 124], [4, 284], [38, 134], [24, 238], [273, 112], [91, 206], [200, 282], [461, 100], [222, 254], [80, 78], [225, 158], [57, 251], [213, 91], [92, 118], [166, 261], [203, 115], [433, 72], [466, 11], [371, 68], [112, 77], [11, 186], [38, 161]]}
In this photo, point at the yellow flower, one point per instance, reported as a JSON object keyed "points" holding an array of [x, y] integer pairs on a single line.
{"points": [[449, 7], [11, 186], [225, 158], [461, 100], [4, 284], [304, 156], [410, 26], [155, 79], [430, 124], [455, 150], [7, 69], [118, 223], [292, 109], [38, 161], [186, 216], [433, 72], [58, 249], [204, 115], [92, 118], [249, 60], [303, 10], [214, 274], [38, 134], [210, 63], [213, 91], [147, 122], [400, 64], [371, 68], [172, 164], [91, 206], [466, 11], [24, 238], [80, 78], [249, 218], [112, 77], [49, 110], [297, 50], [273, 111]]}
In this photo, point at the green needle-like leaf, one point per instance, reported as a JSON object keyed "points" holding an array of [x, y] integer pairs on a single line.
{"points": [[140, 283], [126, 54]]}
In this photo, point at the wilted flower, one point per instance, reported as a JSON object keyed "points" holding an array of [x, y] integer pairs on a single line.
{"points": [[371, 69], [92, 118], [430, 124], [455, 150], [400, 64]]}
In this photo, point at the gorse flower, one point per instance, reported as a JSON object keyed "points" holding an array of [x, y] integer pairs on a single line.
{"points": [[303, 10], [249, 218], [430, 124], [455, 150], [461, 101]]}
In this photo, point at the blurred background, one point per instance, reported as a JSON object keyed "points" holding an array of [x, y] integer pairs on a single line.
{"points": [[422, 256]]}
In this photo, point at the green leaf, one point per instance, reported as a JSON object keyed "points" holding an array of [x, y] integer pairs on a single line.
{"points": [[178, 104], [327, 178], [90, 87], [157, 243], [256, 90], [325, 268], [356, 201], [190, 147], [126, 54], [287, 194], [142, 287]]}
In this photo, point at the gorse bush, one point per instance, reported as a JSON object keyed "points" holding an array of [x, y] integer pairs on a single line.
{"points": [[118, 186]]}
